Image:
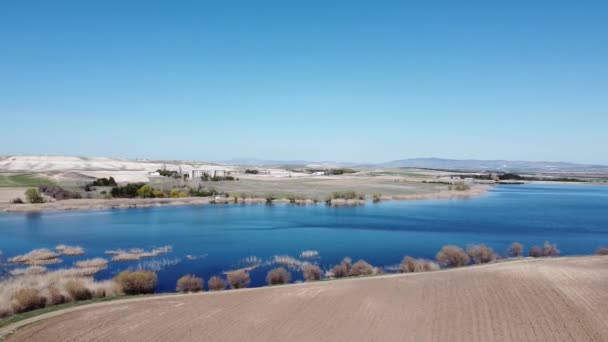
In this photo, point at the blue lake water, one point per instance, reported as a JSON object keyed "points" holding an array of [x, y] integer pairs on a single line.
{"points": [[221, 237]]}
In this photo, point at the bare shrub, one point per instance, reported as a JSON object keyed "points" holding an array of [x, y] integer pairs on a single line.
{"points": [[343, 269], [550, 250], [535, 251], [27, 299], [340, 271], [278, 276], [516, 249], [452, 256], [311, 272], [77, 290], [481, 254], [137, 253], [92, 263], [409, 264], [361, 268], [137, 282], [69, 250], [238, 279], [602, 251], [189, 283], [216, 283]]}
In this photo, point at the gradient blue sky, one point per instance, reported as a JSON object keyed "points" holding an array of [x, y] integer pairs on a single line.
{"points": [[318, 80]]}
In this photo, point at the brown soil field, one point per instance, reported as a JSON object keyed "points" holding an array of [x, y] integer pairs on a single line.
{"points": [[562, 299]]}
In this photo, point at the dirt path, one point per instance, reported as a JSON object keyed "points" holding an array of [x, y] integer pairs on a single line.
{"points": [[562, 299]]}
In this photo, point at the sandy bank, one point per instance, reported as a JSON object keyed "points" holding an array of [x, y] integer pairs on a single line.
{"points": [[562, 299], [123, 203]]}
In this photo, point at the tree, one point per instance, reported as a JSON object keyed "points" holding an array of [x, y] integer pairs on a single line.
{"points": [[146, 191], [33, 196]]}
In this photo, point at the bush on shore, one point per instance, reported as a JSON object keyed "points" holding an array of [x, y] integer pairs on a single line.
{"points": [[238, 279], [311, 272], [361, 268], [535, 252], [409, 265], [481, 254], [602, 251], [33, 196], [343, 269], [189, 283], [216, 283], [550, 250], [516, 249], [137, 282], [278, 276], [452, 256]]}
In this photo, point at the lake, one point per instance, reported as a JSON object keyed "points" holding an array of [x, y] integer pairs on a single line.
{"points": [[207, 240]]}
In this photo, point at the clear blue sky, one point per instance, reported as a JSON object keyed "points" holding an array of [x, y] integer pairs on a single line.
{"points": [[318, 80]]}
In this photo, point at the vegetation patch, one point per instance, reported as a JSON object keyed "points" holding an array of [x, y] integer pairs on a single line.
{"points": [[23, 180]]}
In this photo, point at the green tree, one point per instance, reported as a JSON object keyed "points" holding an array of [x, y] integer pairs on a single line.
{"points": [[33, 196], [146, 191]]}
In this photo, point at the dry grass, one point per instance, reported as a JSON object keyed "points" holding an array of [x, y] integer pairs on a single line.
{"points": [[137, 253], [481, 254], [55, 287], [309, 254], [189, 283], [27, 299], [311, 272], [343, 269], [452, 256], [137, 282], [36, 257], [69, 250], [216, 283], [100, 263], [28, 271], [516, 249], [238, 279], [278, 276], [77, 291], [361, 268]]}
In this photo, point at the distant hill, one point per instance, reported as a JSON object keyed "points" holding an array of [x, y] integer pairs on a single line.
{"points": [[493, 165]]}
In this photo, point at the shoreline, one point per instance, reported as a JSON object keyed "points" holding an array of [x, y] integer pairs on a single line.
{"points": [[127, 203], [382, 290]]}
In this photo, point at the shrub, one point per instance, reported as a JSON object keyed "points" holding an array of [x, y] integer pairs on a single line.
{"points": [[58, 192], [452, 256], [343, 269], [27, 299], [550, 250], [311, 272], [278, 276], [408, 264], [238, 279], [17, 200], [361, 268], [33, 196], [602, 251], [340, 271], [126, 191], [516, 249], [137, 282], [535, 251], [216, 283], [377, 197], [103, 182], [189, 283], [481, 254], [77, 290]]}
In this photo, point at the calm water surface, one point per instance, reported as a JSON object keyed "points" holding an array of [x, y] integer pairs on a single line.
{"points": [[208, 240]]}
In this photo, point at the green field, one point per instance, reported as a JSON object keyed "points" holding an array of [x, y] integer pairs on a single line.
{"points": [[23, 180]]}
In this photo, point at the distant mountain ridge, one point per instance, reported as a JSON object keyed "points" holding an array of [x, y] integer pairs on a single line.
{"points": [[493, 165]]}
